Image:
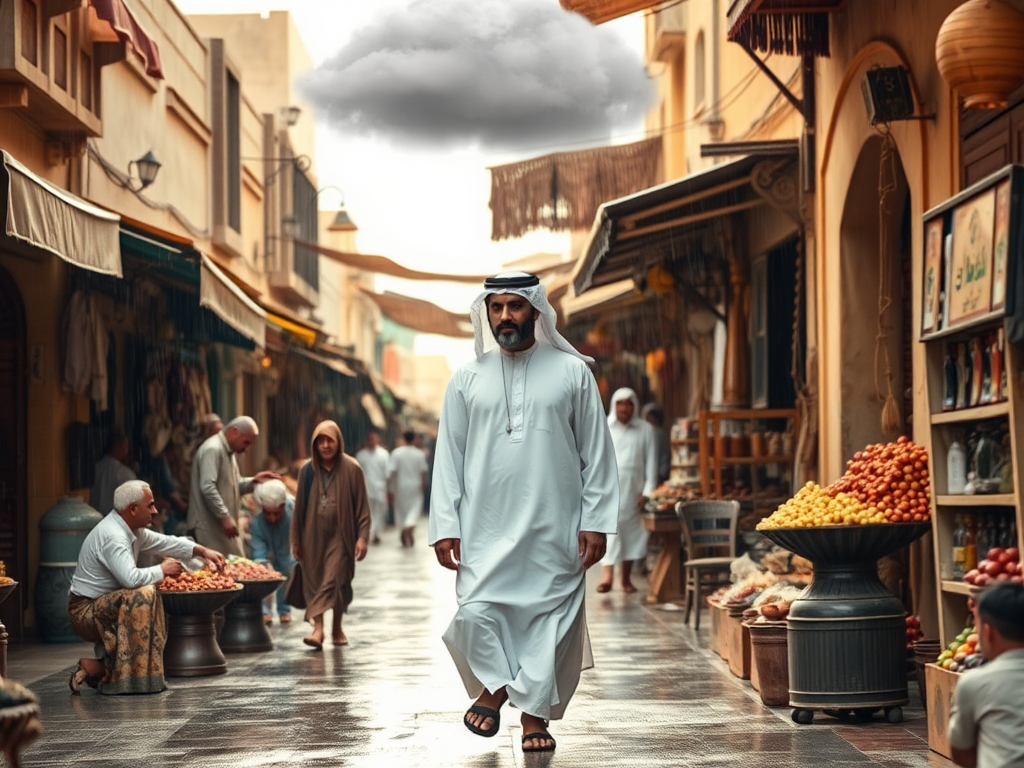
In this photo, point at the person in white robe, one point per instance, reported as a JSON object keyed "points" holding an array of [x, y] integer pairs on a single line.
{"points": [[525, 491], [636, 453], [373, 458], [407, 469]]}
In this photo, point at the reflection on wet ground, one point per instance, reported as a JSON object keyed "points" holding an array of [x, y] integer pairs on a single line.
{"points": [[391, 697]]}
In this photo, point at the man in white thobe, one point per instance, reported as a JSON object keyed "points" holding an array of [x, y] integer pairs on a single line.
{"points": [[373, 458], [525, 491], [636, 453], [407, 475]]}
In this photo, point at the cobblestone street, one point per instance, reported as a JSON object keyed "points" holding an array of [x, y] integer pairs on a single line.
{"points": [[658, 697]]}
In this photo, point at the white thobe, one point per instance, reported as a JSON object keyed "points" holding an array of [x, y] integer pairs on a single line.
{"points": [[636, 453], [407, 467], [374, 462], [517, 500]]}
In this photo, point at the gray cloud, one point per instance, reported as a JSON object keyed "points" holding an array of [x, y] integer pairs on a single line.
{"points": [[504, 74]]}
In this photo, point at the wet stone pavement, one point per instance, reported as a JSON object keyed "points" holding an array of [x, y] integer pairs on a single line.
{"points": [[657, 697]]}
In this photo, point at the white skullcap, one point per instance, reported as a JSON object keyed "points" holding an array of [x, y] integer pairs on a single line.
{"points": [[271, 494], [528, 286]]}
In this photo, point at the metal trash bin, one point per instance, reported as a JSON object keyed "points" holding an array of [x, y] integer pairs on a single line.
{"points": [[847, 633], [62, 530]]}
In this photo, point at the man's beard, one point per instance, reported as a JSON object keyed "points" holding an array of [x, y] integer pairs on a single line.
{"points": [[518, 333]]}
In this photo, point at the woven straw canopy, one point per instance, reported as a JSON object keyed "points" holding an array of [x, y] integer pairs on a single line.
{"points": [[600, 11], [563, 191], [790, 27]]}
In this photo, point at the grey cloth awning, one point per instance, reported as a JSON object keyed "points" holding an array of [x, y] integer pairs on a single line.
{"points": [[45, 216]]}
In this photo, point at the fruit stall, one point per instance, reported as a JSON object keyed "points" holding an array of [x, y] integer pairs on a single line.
{"points": [[970, 331]]}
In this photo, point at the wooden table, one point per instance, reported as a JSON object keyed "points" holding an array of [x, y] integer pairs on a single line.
{"points": [[666, 577]]}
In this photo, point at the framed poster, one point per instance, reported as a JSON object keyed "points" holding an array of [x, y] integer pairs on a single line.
{"points": [[1001, 245], [933, 270], [970, 289]]}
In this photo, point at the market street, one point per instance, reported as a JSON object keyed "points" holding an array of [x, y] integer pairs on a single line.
{"points": [[658, 697]]}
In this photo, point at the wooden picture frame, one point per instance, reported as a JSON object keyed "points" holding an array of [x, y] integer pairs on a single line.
{"points": [[933, 275], [969, 293], [1001, 245]]}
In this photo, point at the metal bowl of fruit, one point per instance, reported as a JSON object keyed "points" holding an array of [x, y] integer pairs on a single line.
{"points": [[831, 544], [198, 602]]}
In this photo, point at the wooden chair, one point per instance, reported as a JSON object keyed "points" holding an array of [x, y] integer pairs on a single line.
{"points": [[709, 532]]}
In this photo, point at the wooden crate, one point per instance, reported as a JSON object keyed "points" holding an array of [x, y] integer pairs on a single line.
{"points": [[941, 684], [722, 641], [715, 635], [739, 647]]}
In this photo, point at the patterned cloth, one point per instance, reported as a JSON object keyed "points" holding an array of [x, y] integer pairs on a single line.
{"points": [[130, 626]]}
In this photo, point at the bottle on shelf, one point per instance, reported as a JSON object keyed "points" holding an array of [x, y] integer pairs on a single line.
{"points": [[970, 540], [949, 380], [958, 548], [956, 468], [1007, 537], [986, 532]]}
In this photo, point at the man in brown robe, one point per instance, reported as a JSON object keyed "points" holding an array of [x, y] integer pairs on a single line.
{"points": [[330, 530]]}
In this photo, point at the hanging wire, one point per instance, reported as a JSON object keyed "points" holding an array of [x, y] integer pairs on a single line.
{"points": [[886, 186]]}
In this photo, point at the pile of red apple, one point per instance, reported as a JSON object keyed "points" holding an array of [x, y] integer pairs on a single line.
{"points": [[999, 565], [914, 632]]}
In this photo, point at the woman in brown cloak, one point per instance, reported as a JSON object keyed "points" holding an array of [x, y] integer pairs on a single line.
{"points": [[330, 530]]}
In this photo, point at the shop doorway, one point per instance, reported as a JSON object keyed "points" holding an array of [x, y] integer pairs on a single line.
{"points": [[13, 451], [875, 257]]}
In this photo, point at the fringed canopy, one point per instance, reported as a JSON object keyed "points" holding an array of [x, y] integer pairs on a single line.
{"points": [[381, 265], [562, 192], [789, 27], [600, 11]]}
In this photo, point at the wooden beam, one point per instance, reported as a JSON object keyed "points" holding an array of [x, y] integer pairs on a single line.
{"points": [[13, 96], [628, 222], [693, 219]]}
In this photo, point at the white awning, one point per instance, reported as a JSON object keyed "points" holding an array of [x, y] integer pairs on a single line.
{"points": [[226, 300], [373, 411], [329, 362], [605, 297], [48, 217]]}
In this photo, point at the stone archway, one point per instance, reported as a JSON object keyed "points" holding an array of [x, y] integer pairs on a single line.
{"points": [[860, 273], [13, 450]]}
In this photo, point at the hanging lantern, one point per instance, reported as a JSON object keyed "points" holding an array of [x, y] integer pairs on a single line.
{"points": [[979, 52]]}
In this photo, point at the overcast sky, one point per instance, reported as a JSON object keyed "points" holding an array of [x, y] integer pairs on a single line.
{"points": [[417, 98]]}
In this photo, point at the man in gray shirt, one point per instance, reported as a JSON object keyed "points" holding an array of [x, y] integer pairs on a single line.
{"points": [[217, 487], [986, 723], [114, 603]]}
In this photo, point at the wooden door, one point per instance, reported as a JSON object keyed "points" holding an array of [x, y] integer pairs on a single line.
{"points": [[13, 452]]}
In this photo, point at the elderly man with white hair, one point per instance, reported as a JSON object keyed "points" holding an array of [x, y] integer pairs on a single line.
{"points": [[217, 487], [271, 541], [114, 603]]}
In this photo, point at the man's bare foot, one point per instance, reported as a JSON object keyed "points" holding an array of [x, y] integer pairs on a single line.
{"points": [[628, 588], [535, 735], [482, 723]]}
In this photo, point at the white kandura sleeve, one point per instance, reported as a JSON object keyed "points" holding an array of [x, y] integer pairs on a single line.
{"points": [[600, 471], [448, 484], [650, 460]]}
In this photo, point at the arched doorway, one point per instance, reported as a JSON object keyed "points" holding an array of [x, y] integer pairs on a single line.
{"points": [[13, 450], [861, 272]]}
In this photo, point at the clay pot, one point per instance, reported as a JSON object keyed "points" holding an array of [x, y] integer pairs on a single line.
{"points": [[979, 54]]}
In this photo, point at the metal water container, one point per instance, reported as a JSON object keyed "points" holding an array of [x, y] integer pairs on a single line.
{"points": [[62, 530]]}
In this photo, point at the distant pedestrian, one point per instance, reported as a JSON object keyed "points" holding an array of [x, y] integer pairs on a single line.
{"points": [[407, 470], [653, 414], [330, 530], [524, 493], [111, 471], [114, 604], [373, 458], [636, 456], [986, 721], [217, 487], [271, 541]]}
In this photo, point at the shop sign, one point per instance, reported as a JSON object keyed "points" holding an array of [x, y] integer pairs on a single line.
{"points": [[972, 243]]}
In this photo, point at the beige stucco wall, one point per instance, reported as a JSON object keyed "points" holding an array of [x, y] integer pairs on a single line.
{"points": [[868, 34]]}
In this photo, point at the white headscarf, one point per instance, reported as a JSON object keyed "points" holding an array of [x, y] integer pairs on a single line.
{"points": [[623, 394], [545, 330]]}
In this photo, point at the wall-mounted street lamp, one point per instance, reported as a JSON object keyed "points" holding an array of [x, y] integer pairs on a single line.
{"points": [[289, 115], [146, 167]]}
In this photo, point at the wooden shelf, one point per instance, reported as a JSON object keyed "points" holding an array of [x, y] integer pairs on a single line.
{"points": [[753, 460], [977, 500], [958, 587], [977, 413]]}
